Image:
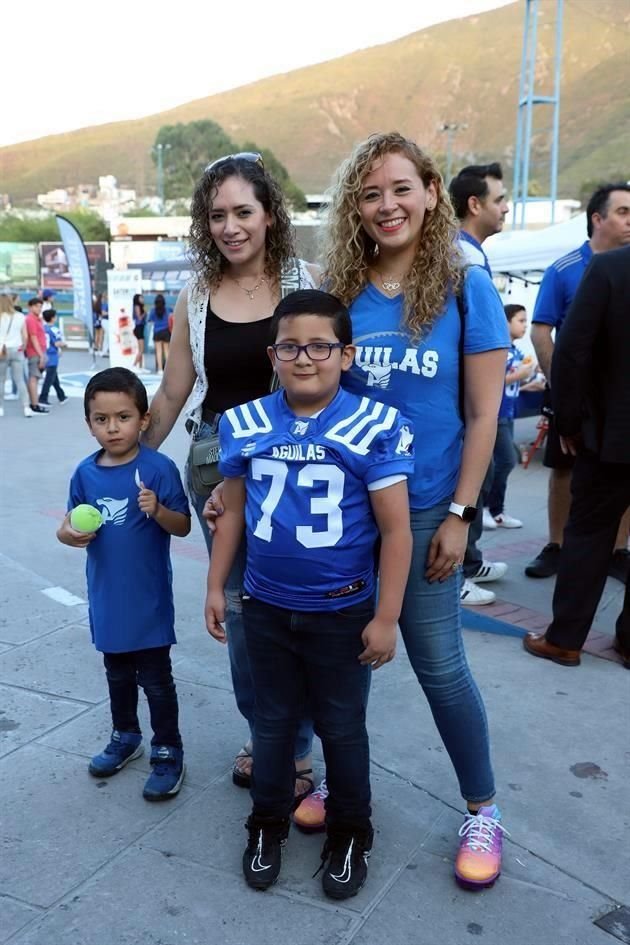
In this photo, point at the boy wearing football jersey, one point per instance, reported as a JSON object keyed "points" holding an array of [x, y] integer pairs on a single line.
{"points": [[315, 475]]}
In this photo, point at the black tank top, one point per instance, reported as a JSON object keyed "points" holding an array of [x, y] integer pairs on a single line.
{"points": [[236, 361]]}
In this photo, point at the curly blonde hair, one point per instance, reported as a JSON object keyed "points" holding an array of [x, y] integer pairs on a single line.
{"points": [[349, 251], [208, 263]]}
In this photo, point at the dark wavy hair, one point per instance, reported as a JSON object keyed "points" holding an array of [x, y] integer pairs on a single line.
{"points": [[208, 262]]}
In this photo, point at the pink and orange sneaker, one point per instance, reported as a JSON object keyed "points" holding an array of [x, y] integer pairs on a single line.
{"points": [[478, 861], [310, 816]]}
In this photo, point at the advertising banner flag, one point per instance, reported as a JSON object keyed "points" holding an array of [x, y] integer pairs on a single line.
{"points": [[122, 285], [78, 266]]}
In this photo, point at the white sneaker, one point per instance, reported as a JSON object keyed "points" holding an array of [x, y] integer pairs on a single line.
{"points": [[507, 521], [488, 520], [1, 411], [489, 571], [474, 596], [11, 396], [28, 412]]}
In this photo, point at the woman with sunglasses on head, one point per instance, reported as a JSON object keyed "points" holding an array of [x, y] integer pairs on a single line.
{"points": [[391, 256], [243, 261]]}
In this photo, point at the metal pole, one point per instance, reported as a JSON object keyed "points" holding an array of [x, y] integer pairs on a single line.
{"points": [[529, 110], [160, 175], [449, 152], [518, 154], [556, 110]]}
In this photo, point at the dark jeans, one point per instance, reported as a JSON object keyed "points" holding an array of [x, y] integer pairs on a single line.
{"points": [[150, 669], [473, 559], [303, 662], [51, 380], [600, 495], [504, 459]]}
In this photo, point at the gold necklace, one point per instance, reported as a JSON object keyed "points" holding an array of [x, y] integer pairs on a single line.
{"points": [[390, 285], [250, 292]]}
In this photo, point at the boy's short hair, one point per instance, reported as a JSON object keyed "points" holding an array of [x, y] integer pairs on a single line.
{"points": [[116, 380], [34, 301], [49, 314], [313, 302], [511, 310]]}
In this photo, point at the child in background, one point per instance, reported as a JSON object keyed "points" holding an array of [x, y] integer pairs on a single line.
{"points": [[140, 495], [316, 474], [518, 369], [55, 345]]}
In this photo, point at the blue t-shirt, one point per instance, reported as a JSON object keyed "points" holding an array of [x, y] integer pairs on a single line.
{"points": [[421, 378], [559, 285], [160, 323], [52, 351], [507, 410], [473, 251], [128, 568], [311, 533]]}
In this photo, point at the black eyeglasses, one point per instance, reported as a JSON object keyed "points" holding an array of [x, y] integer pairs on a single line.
{"points": [[252, 156], [315, 350]]}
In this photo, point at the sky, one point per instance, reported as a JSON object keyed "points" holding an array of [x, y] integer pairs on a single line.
{"points": [[74, 64]]}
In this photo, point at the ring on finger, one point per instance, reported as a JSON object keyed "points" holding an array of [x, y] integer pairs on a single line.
{"points": [[455, 565]]}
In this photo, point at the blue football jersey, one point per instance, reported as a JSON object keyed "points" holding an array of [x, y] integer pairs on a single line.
{"points": [[311, 533]]}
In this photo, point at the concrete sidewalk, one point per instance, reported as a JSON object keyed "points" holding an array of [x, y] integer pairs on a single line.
{"points": [[88, 862]]}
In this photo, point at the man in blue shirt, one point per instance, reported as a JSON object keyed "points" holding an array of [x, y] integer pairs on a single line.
{"points": [[479, 199], [608, 227]]}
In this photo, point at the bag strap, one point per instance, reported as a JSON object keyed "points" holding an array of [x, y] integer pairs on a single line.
{"points": [[460, 299], [290, 281]]}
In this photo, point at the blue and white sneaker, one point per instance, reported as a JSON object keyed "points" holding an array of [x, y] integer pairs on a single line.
{"points": [[167, 775], [123, 748]]}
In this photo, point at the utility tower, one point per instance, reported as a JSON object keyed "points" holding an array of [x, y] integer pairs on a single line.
{"points": [[539, 86]]}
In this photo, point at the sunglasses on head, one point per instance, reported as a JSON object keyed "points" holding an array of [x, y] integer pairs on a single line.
{"points": [[252, 156]]}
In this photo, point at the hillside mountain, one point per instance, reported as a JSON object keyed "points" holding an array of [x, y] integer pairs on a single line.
{"points": [[464, 71]]}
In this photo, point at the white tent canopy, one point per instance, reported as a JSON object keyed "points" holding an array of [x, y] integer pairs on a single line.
{"points": [[534, 250]]}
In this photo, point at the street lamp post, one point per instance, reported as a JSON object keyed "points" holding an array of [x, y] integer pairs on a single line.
{"points": [[159, 150], [451, 128]]}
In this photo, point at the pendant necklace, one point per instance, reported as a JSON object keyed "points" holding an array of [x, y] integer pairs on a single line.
{"points": [[390, 285], [250, 292]]}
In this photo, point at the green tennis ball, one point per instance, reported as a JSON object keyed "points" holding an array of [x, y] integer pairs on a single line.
{"points": [[85, 518]]}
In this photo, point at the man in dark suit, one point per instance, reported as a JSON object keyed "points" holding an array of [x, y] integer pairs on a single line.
{"points": [[590, 387]]}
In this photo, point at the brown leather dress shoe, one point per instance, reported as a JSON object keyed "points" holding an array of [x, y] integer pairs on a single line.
{"points": [[624, 654], [537, 645]]}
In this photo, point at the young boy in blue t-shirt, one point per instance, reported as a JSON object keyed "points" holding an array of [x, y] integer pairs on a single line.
{"points": [[140, 496], [315, 475], [54, 344]]}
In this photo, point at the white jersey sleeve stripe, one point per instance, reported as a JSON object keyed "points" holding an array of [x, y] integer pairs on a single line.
{"points": [[243, 422]]}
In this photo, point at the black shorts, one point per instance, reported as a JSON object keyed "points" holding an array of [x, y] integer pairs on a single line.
{"points": [[554, 458], [139, 332], [163, 335]]}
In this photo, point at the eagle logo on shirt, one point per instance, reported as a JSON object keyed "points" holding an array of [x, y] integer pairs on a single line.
{"points": [[378, 375], [405, 442], [114, 510], [300, 427]]}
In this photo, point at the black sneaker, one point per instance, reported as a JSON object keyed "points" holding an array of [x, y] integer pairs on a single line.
{"points": [[619, 566], [38, 408], [546, 563], [345, 859], [263, 857]]}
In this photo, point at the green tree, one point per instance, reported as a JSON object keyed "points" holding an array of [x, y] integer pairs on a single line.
{"points": [[186, 149], [19, 229]]}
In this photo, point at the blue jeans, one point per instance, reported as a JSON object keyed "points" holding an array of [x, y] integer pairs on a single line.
{"points": [[431, 627], [504, 457], [239, 662], [150, 669], [308, 662]]}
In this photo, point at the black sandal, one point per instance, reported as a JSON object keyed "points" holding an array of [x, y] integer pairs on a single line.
{"points": [[239, 777], [303, 775]]}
